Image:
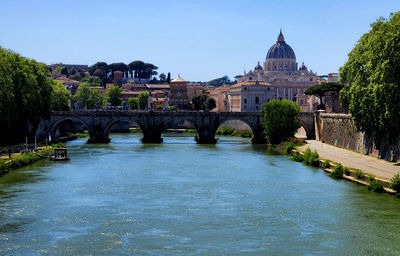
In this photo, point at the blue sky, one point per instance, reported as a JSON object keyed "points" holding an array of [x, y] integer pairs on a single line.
{"points": [[201, 40]]}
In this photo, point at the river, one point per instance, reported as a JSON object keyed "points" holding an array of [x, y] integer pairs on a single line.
{"points": [[180, 198]]}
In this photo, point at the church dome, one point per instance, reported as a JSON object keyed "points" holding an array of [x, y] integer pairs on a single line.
{"points": [[281, 50], [303, 67]]}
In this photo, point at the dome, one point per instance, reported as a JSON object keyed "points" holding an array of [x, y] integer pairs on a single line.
{"points": [[178, 80], [281, 50], [303, 68]]}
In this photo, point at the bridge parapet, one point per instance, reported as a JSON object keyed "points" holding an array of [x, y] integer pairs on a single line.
{"points": [[152, 123]]}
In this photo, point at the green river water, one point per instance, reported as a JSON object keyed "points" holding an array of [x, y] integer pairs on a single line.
{"points": [[181, 198]]}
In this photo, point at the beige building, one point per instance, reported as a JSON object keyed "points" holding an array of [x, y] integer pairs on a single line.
{"points": [[279, 78]]}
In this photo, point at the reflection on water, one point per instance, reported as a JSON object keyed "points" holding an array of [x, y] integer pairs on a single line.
{"points": [[180, 198]]}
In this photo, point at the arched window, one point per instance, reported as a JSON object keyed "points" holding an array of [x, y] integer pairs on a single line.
{"points": [[257, 100], [245, 101]]}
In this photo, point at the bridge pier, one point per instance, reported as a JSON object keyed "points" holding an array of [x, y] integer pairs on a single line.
{"points": [[206, 135], [152, 135], [151, 128], [98, 135]]}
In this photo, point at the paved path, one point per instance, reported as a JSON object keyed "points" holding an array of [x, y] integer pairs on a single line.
{"points": [[368, 164]]}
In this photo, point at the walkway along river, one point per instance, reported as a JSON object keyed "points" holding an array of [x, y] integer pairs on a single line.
{"points": [[182, 198]]}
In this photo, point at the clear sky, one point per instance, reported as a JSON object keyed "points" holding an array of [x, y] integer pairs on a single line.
{"points": [[201, 40]]}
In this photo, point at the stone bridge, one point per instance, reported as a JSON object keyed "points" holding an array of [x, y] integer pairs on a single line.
{"points": [[153, 123]]}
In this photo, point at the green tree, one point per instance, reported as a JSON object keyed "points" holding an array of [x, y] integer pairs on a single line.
{"points": [[169, 77], [114, 95], [321, 89], [90, 98], [83, 95], [61, 97], [97, 99], [133, 103], [92, 80], [372, 82], [162, 77], [280, 120], [26, 93], [199, 102], [142, 99], [220, 81]]}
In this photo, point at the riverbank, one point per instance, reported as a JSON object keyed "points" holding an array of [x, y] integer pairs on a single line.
{"points": [[20, 160], [361, 169]]}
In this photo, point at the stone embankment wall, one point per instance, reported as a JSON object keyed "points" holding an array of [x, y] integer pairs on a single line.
{"points": [[340, 130]]}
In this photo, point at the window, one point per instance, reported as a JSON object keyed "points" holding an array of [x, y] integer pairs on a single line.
{"points": [[181, 102], [257, 100], [250, 78], [245, 101], [245, 88], [269, 89], [310, 79], [294, 99], [172, 102], [256, 107], [185, 101], [178, 94]]}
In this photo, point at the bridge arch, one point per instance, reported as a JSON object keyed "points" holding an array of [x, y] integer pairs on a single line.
{"points": [[250, 124], [306, 120], [55, 125]]}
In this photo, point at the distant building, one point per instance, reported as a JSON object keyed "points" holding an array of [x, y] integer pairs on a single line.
{"points": [[280, 70], [69, 84], [333, 77], [179, 93], [118, 75]]}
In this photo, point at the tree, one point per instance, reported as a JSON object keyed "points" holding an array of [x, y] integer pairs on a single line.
{"points": [[97, 99], [133, 103], [321, 89], [142, 99], [61, 97], [90, 98], [280, 120], [238, 76], [169, 77], [220, 81], [83, 95], [162, 77], [199, 102], [114, 95], [26, 94], [372, 82], [92, 80], [64, 71]]}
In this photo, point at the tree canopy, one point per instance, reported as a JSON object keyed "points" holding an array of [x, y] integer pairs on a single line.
{"points": [[90, 98], [199, 102], [280, 120], [61, 97], [321, 89], [372, 81], [114, 95], [133, 103], [220, 81], [142, 99], [26, 90]]}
